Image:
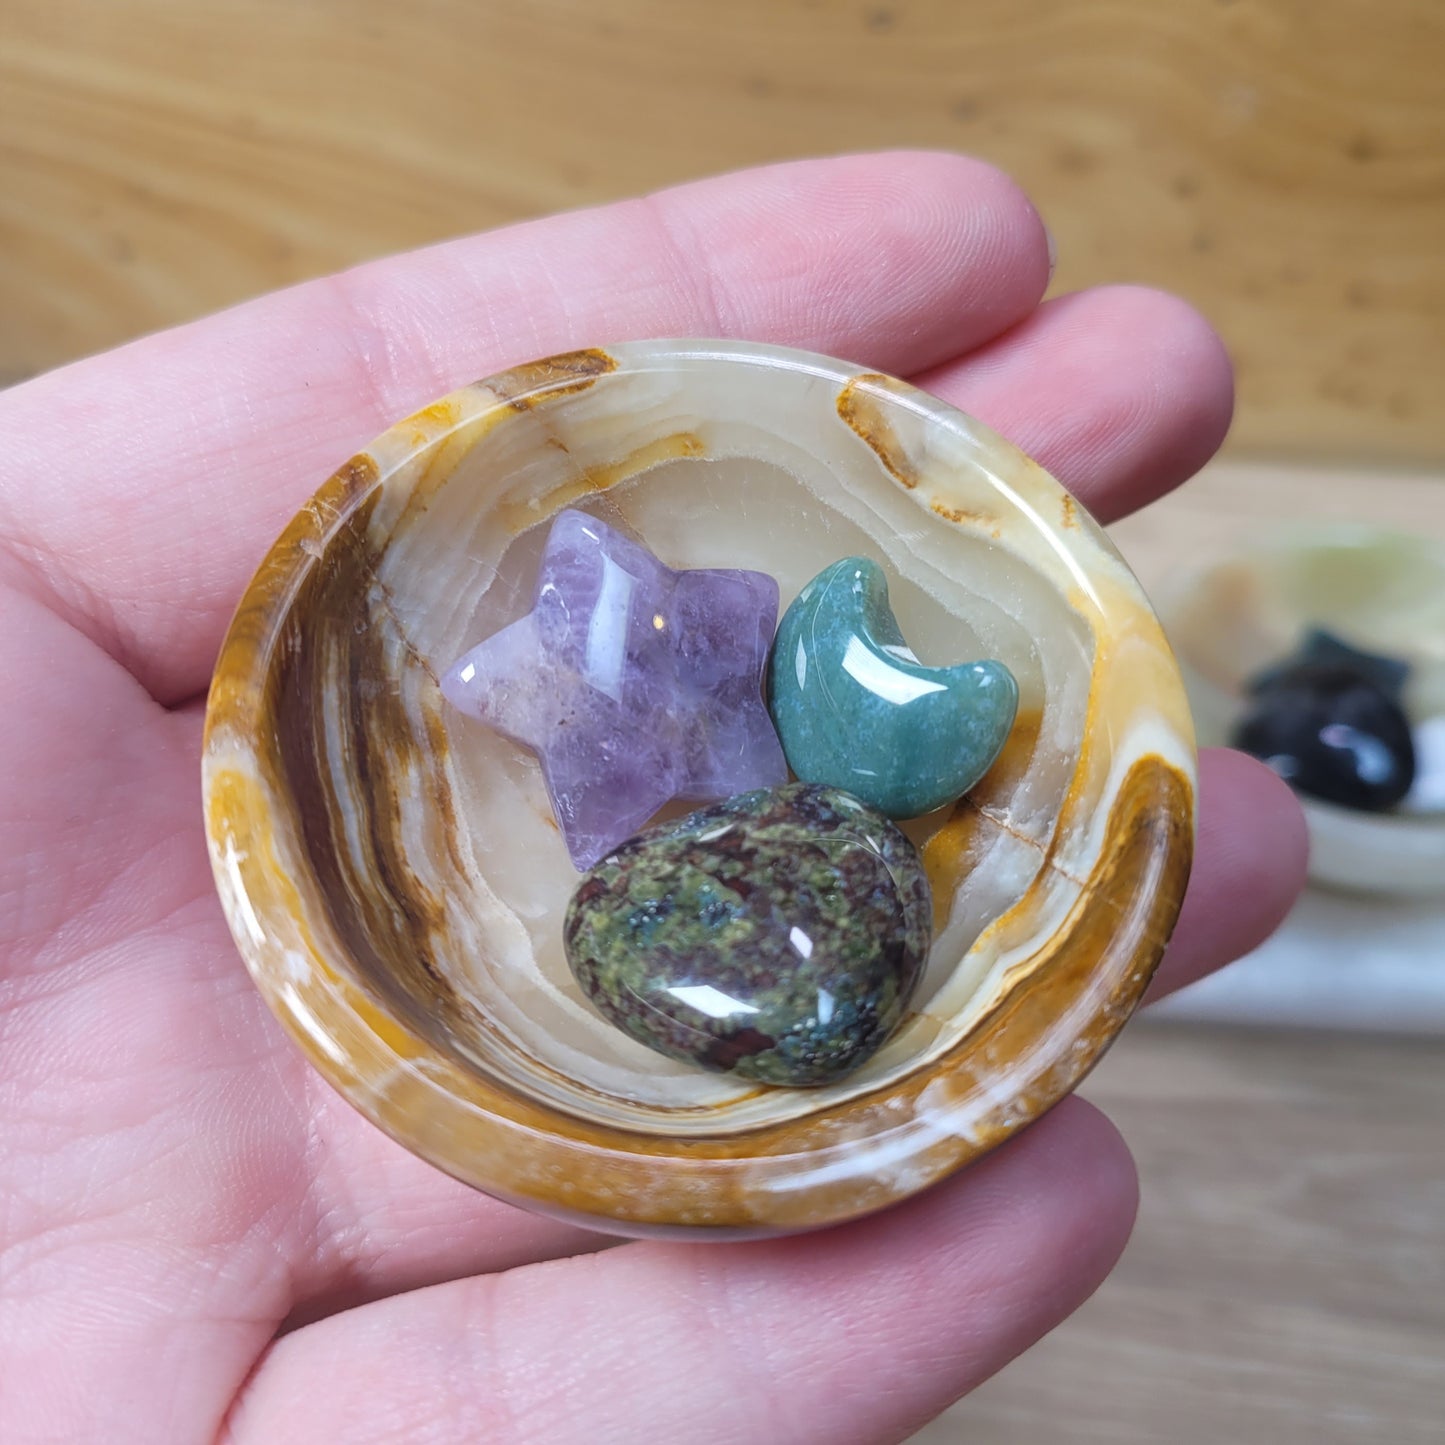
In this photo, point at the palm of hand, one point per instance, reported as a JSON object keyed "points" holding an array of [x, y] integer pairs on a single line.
{"points": [[176, 1187]]}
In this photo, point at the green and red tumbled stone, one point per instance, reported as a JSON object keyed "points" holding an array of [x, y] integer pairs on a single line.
{"points": [[776, 936]]}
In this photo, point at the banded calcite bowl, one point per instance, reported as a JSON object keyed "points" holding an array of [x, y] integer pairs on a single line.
{"points": [[395, 879]]}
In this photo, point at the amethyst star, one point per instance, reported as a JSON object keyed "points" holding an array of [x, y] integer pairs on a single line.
{"points": [[632, 683]]}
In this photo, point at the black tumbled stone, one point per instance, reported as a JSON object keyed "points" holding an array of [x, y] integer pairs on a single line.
{"points": [[776, 936], [1332, 727]]}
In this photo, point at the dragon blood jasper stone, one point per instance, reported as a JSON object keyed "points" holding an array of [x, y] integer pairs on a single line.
{"points": [[633, 684], [776, 936]]}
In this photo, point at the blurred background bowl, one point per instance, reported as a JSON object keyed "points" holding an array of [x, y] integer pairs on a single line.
{"points": [[1380, 590]]}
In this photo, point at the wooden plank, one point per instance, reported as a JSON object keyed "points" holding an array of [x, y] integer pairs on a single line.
{"points": [[1286, 1283], [1281, 162]]}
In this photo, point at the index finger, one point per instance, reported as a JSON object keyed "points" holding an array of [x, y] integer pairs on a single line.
{"points": [[142, 487]]}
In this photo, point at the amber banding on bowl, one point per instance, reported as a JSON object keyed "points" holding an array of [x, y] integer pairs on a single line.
{"points": [[395, 880]]}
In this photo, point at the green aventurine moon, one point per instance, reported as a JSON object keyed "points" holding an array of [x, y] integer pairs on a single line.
{"points": [[856, 710]]}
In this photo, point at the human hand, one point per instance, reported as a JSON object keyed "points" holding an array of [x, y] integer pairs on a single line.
{"points": [[198, 1240]]}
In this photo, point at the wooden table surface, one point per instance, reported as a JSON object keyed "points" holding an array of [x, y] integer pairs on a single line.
{"points": [[1279, 162], [1286, 1283]]}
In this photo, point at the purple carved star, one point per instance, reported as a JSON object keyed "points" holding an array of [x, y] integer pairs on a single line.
{"points": [[632, 683]]}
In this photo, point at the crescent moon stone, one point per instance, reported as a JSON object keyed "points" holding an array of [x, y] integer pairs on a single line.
{"points": [[856, 710]]}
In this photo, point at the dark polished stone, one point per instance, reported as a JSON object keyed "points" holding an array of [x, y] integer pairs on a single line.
{"points": [[776, 936], [1329, 722]]}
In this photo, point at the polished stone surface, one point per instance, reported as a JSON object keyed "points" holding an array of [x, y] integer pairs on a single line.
{"points": [[632, 683], [1330, 723], [777, 936], [857, 710]]}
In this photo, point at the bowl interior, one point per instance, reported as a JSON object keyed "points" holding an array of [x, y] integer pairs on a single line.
{"points": [[392, 869]]}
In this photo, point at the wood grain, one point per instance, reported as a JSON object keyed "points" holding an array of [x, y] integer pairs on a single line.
{"points": [[1280, 162], [1286, 1283]]}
